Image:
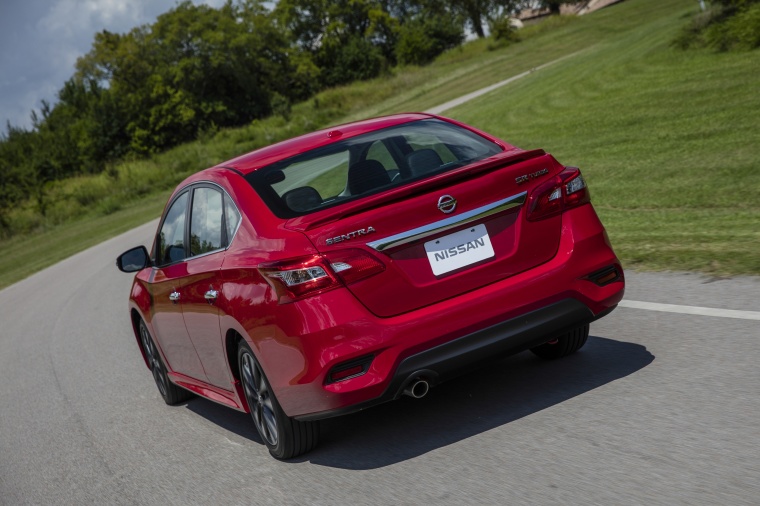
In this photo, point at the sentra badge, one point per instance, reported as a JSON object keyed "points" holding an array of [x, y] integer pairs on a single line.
{"points": [[350, 235], [533, 175]]}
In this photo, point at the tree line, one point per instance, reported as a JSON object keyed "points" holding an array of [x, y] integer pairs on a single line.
{"points": [[199, 68]]}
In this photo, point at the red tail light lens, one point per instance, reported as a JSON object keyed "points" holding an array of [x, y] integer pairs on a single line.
{"points": [[303, 277], [351, 265], [297, 278], [566, 190]]}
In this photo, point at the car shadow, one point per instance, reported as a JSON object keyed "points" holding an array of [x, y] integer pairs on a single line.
{"points": [[494, 395]]}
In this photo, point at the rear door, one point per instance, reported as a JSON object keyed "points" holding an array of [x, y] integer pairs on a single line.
{"points": [[166, 291], [201, 286]]}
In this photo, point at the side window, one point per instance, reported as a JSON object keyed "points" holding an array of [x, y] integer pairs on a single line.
{"points": [[171, 238], [206, 221], [232, 218]]}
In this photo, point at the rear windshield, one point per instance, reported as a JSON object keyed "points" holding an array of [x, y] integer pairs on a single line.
{"points": [[367, 164]]}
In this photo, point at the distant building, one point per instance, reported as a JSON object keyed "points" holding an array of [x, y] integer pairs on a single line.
{"points": [[579, 9]]}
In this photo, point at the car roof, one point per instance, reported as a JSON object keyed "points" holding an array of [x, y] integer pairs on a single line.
{"points": [[265, 156]]}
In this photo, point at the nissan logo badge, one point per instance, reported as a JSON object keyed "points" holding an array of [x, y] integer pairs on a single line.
{"points": [[447, 204]]}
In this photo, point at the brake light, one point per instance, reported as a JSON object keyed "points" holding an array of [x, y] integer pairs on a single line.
{"points": [[566, 190], [302, 277], [297, 278]]}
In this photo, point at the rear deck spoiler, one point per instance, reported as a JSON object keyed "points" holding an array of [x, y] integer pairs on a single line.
{"points": [[314, 220]]}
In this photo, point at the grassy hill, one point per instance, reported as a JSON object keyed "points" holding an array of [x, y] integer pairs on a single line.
{"points": [[666, 138]]}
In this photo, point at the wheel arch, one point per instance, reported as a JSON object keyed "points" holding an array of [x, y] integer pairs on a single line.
{"points": [[135, 318], [231, 343]]}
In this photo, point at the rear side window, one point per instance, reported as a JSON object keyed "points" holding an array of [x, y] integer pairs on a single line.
{"points": [[231, 218], [367, 164]]}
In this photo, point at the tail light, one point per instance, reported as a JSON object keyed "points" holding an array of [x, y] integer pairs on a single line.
{"points": [[566, 190], [298, 278]]}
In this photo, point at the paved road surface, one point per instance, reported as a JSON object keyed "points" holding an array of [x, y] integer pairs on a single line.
{"points": [[658, 408]]}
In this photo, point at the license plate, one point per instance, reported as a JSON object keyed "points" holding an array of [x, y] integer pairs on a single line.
{"points": [[459, 249]]}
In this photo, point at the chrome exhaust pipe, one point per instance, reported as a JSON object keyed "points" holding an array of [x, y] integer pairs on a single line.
{"points": [[417, 388]]}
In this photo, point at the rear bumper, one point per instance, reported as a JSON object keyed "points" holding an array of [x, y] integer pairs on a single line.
{"points": [[505, 338]]}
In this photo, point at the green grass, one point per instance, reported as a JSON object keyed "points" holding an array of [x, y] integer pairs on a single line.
{"points": [[24, 255], [666, 138]]}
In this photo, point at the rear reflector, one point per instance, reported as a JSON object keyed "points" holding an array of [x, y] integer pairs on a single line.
{"points": [[348, 370], [605, 276]]}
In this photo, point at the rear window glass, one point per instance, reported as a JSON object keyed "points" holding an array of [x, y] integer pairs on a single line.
{"points": [[367, 164]]}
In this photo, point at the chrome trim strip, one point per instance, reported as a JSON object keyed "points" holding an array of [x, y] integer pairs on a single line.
{"points": [[448, 223]]}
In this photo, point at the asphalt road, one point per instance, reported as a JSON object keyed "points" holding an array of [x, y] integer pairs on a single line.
{"points": [[658, 408]]}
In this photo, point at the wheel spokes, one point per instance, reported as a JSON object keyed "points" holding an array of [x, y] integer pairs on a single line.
{"points": [[259, 399], [154, 363], [248, 385], [271, 425]]}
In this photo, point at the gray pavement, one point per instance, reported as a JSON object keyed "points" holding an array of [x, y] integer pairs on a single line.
{"points": [[658, 408]]}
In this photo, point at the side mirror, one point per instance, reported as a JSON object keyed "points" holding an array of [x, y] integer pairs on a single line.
{"points": [[133, 260]]}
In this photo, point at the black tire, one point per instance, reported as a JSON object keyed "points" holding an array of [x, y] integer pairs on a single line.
{"points": [[284, 437], [171, 393], [564, 345]]}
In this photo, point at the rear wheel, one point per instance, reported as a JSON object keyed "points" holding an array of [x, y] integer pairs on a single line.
{"points": [[285, 437], [171, 393], [564, 345]]}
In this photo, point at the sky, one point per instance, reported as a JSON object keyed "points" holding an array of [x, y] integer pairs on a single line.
{"points": [[40, 41]]}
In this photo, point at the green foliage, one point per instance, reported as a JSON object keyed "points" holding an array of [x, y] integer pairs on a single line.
{"points": [[352, 59], [193, 67], [503, 32], [729, 25], [475, 11], [739, 32], [347, 40], [425, 37]]}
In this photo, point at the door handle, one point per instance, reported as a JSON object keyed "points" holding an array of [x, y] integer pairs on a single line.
{"points": [[211, 296], [174, 297]]}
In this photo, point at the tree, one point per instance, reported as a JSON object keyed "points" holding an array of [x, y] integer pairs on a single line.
{"points": [[476, 11], [426, 36], [346, 39], [195, 67]]}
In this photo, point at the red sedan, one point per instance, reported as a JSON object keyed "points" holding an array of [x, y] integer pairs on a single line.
{"points": [[347, 267]]}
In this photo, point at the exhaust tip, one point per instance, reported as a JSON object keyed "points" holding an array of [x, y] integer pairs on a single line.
{"points": [[417, 388]]}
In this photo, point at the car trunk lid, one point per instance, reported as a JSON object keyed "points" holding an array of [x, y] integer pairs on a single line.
{"points": [[434, 250]]}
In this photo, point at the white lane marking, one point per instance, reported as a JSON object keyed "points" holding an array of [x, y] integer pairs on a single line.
{"points": [[695, 310], [475, 94]]}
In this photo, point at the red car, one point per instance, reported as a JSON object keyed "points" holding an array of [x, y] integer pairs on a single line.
{"points": [[347, 267]]}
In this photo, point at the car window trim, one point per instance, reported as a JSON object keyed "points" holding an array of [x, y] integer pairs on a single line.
{"points": [[190, 188]]}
